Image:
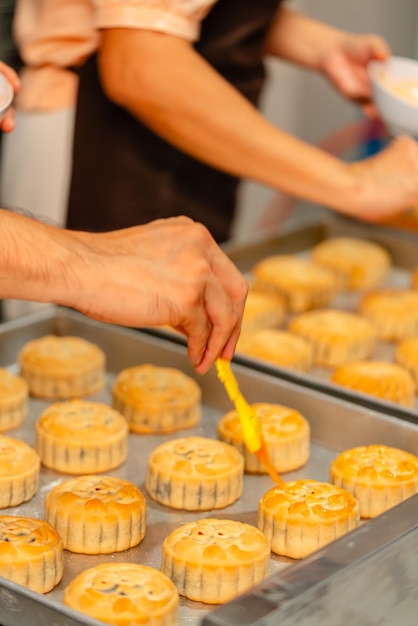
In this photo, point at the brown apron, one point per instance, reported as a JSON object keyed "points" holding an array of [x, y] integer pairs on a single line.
{"points": [[124, 174]]}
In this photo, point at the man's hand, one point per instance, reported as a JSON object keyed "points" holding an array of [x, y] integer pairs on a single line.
{"points": [[166, 272]]}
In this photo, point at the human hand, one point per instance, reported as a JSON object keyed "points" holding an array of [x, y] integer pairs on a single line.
{"points": [[7, 123], [385, 184], [166, 272], [344, 63]]}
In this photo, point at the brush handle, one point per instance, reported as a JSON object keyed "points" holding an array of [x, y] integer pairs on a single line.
{"points": [[250, 423]]}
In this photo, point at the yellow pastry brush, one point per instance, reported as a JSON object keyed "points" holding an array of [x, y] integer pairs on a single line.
{"points": [[250, 423]]}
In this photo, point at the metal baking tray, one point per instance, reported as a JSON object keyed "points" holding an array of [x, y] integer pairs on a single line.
{"points": [[335, 426], [300, 239]]}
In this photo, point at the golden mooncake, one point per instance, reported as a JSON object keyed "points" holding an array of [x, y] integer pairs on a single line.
{"points": [[414, 279], [263, 309], [31, 553], [97, 514], [157, 399], [337, 337], [62, 367], [378, 476], [394, 313], [305, 515], [19, 472], [279, 347], [14, 391], [285, 433], [304, 284], [406, 355], [124, 594], [358, 264], [384, 380], [79, 437], [195, 474], [214, 560]]}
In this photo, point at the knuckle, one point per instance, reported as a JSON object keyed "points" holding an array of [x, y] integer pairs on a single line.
{"points": [[192, 298], [201, 233], [243, 288], [182, 219]]}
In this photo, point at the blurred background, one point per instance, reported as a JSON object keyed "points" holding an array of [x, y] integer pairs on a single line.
{"points": [[310, 109], [296, 100], [7, 48]]}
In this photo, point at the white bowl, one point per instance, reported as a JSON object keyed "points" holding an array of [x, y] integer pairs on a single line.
{"points": [[399, 113], [6, 95]]}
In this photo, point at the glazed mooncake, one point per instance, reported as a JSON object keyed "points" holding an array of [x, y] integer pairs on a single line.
{"points": [[406, 355], [19, 472], [97, 514], [263, 309], [378, 476], [195, 474], [305, 515], [303, 283], [62, 367], [285, 432], [278, 347], [358, 264], [393, 312], [79, 437], [414, 279], [214, 560], [124, 594], [337, 337], [14, 391], [384, 380], [31, 553], [157, 399]]}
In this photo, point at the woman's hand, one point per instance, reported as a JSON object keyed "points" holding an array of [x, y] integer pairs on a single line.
{"points": [[387, 183], [342, 57], [344, 63], [7, 123]]}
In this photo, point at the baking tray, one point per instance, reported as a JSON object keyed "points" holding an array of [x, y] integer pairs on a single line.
{"points": [[335, 425], [300, 239]]}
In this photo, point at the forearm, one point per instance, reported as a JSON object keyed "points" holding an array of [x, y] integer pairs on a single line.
{"points": [[166, 272], [300, 39], [35, 260], [183, 99]]}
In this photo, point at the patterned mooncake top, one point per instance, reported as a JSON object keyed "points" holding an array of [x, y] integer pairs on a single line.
{"points": [[22, 538], [16, 457], [200, 457], [290, 271], [333, 325], [217, 541], [277, 422], [80, 421], [376, 464], [149, 385], [123, 593], [92, 492], [12, 386], [60, 356], [309, 500]]}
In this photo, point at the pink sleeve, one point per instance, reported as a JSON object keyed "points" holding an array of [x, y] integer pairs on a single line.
{"points": [[174, 17]]}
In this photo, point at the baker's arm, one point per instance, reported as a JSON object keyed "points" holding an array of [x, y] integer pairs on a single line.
{"points": [[165, 272], [163, 81]]}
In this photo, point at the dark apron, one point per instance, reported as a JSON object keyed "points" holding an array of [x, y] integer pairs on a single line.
{"points": [[124, 174]]}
